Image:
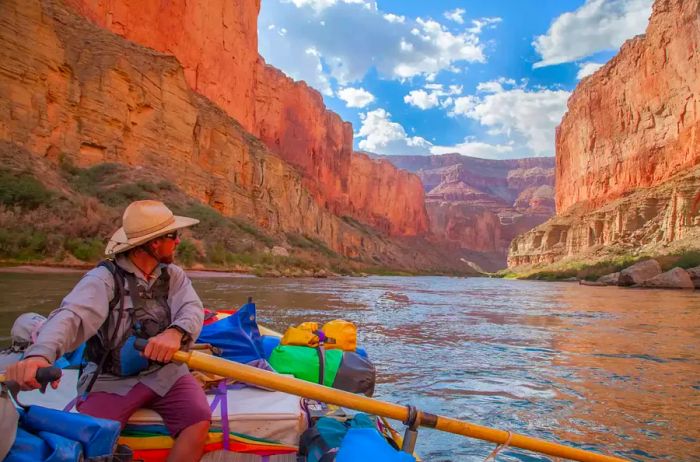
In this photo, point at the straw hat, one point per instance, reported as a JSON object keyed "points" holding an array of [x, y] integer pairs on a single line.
{"points": [[143, 221]]}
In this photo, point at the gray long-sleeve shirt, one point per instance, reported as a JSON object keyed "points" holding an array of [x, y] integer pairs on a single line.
{"points": [[85, 309]]}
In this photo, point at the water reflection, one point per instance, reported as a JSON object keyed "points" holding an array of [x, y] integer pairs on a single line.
{"points": [[633, 376], [607, 369]]}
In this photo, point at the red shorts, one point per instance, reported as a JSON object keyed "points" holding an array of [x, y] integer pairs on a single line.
{"points": [[185, 404]]}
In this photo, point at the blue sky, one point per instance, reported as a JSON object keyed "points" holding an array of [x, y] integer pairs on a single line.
{"points": [[486, 79]]}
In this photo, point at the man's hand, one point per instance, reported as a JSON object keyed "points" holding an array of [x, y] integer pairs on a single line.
{"points": [[24, 373], [162, 347]]}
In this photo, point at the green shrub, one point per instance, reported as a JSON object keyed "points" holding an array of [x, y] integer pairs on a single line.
{"points": [[22, 189], [688, 259], [122, 195], [209, 219], [22, 245], [165, 185], [105, 181], [253, 231], [187, 252], [308, 242], [89, 250], [88, 180]]}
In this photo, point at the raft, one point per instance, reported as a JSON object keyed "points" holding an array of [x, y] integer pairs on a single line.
{"points": [[249, 424], [255, 424]]}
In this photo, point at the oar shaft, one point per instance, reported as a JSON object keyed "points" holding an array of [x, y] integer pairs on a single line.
{"points": [[222, 367]]}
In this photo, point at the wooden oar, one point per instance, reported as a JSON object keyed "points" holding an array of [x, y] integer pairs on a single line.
{"points": [[263, 378]]}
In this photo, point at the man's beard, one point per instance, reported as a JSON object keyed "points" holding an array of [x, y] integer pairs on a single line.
{"points": [[167, 259]]}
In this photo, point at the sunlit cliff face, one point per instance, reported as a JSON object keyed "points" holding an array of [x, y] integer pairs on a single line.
{"points": [[627, 150]]}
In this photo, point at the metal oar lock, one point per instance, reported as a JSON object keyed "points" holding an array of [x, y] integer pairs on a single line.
{"points": [[409, 415]]}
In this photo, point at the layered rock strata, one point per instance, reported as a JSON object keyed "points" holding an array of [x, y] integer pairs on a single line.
{"points": [[216, 42], [68, 88], [633, 125], [482, 204], [657, 220]]}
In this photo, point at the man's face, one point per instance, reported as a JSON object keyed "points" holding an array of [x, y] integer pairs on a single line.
{"points": [[164, 247]]}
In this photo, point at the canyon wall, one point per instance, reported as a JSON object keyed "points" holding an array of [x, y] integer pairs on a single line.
{"points": [[628, 148], [634, 123], [216, 42], [656, 221], [482, 204], [71, 89]]}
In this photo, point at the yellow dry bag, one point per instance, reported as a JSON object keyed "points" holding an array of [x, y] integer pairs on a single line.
{"points": [[340, 334], [300, 337]]}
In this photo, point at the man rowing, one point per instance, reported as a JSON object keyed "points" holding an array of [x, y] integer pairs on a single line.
{"points": [[140, 293]]}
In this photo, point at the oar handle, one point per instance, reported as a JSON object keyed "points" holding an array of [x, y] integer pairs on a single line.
{"points": [[44, 375]]}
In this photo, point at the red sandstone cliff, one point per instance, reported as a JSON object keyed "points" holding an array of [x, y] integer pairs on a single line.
{"points": [[216, 42], [634, 123], [69, 88], [482, 204], [627, 148]]}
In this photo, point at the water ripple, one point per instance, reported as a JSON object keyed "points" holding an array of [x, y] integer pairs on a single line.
{"points": [[606, 369]]}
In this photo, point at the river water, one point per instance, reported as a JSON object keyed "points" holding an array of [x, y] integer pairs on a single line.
{"points": [[602, 368]]}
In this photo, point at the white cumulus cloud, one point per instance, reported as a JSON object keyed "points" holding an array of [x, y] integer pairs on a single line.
{"points": [[516, 112], [350, 37], [382, 136], [456, 15], [395, 18], [479, 24], [596, 26], [323, 4], [475, 149], [435, 95], [587, 68], [355, 97], [421, 99]]}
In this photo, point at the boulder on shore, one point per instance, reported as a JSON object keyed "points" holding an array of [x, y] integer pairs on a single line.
{"points": [[639, 272], [694, 274], [677, 278], [609, 279]]}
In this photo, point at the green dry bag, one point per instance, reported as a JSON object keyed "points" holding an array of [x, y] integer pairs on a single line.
{"points": [[306, 363]]}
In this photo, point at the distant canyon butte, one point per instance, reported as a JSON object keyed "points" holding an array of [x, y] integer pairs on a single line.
{"points": [[183, 90]]}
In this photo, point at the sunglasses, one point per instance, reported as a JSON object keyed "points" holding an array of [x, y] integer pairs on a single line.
{"points": [[172, 235]]}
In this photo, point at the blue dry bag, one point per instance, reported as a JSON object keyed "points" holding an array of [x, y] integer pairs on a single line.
{"points": [[237, 336], [354, 440], [49, 434]]}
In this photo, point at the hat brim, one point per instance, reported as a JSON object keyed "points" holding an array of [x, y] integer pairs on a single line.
{"points": [[119, 242]]}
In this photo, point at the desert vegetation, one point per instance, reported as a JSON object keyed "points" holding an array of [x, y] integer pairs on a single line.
{"points": [[64, 217]]}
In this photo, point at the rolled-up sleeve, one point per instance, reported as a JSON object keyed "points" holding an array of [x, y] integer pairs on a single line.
{"points": [[78, 318], [185, 305]]}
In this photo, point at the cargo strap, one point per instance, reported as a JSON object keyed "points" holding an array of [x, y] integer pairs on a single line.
{"points": [[308, 438], [321, 363], [499, 448], [221, 399]]}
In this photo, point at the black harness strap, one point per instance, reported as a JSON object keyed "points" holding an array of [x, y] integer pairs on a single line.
{"points": [[117, 300], [321, 363]]}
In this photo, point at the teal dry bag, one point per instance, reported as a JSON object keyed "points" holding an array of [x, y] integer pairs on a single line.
{"points": [[353, 440]]}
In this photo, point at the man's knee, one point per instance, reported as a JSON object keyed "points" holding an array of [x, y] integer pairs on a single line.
{"points": [[197, 432]]}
